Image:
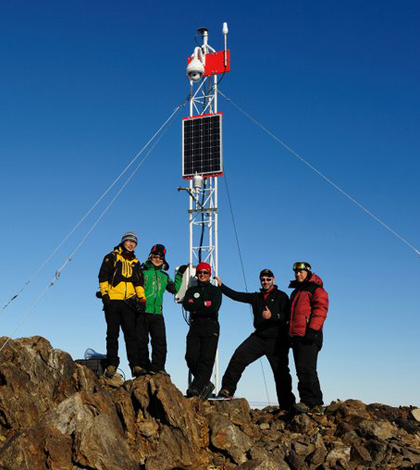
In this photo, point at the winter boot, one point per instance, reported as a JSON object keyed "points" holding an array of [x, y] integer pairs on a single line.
{"points": [[206, 392]]}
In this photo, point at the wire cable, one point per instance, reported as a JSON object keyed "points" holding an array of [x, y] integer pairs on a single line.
{"points": [[243, 269], [58, 272], [235, 231], [70, 257], [202, 222], [26, 283], [344, 193]]}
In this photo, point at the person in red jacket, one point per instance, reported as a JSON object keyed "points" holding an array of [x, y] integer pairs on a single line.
{"points": [[308, 311]]}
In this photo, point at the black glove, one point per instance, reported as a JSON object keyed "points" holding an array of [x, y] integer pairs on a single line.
{"points": [[182, 269], [136, 304], [106, 300], [311, 336], [141, 307]]}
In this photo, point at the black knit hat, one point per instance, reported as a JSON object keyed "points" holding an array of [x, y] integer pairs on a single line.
{"points": [[158, 250], [266, 272]]}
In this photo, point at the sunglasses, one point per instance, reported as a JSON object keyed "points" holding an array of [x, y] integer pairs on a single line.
{"points": [[266, 279], [202, 272]]}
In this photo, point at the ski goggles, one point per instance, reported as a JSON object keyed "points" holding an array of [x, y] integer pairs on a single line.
{"points": [[301, 265]]}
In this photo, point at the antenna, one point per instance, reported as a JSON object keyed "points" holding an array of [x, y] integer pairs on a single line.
{"points": [[202, 156]]}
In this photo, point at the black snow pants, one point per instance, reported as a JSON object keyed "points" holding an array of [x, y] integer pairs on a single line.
{"points": [[153, 324], [305, 357], [119, 314], [202, 340], [276, 349]]}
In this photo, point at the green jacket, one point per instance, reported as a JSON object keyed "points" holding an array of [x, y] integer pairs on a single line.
{"points": [[156, 281]]}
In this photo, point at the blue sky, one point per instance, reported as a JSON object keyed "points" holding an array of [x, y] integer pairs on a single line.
{"points": [[84, 85]]}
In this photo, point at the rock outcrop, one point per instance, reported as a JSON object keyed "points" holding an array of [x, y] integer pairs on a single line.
{"points": [[58, 415]]}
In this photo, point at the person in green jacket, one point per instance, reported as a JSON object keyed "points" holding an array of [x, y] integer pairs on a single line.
{"points": [[152, 323]]}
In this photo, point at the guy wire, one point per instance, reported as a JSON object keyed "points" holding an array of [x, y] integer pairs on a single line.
{"points": [[344, 193], [69, 258], [243, 270], [27, 282]]}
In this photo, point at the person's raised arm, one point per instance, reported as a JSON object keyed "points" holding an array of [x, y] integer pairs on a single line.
{"points": [[233, 294]]}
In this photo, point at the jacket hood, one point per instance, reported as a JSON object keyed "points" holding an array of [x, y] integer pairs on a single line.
{"points": [[314, 279]]}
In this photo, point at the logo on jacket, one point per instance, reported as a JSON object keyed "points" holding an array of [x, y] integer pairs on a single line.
{"points": [[196, 295]]}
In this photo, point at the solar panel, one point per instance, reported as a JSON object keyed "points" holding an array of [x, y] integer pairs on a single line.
{"points": [[202, 146]]}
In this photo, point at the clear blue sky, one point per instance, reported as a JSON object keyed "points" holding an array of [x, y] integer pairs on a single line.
{"points": [[85, 84]]}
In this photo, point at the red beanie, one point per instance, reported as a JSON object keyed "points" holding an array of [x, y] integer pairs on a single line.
{"points": [[204, 266]]}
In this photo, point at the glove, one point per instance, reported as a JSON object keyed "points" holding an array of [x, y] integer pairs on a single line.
{"points": [[311, 336], [106, 300], [136, 304], [182, 269], [141, 307]]}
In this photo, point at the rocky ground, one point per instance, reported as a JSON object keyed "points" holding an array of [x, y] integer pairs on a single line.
{"points": [[58, 415]]}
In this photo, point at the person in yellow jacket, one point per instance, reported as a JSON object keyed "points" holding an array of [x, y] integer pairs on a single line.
{"points": [[121, 286]]}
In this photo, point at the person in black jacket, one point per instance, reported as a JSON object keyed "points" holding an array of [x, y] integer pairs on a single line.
{"points": [[203, 302], [270, 307]]}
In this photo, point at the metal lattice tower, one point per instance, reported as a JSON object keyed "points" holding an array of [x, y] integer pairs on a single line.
{"points": [[203, 69]]}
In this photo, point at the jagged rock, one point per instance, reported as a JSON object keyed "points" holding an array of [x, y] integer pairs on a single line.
{"points": [[93, 428], [378, 451], [225, 436], [408, 425], [416, 414], [279, 457], [238, 411], [83, 430], [58, 415], [302, 449], [265, 460], [303, 424], [344, 410], [34, 378], [265, 464], [359, 454], [381, 430], [339, 454], [318, 457], [296, 462]]}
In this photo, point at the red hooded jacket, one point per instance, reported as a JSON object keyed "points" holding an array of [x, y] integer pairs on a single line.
{"points": [[309, 306]]}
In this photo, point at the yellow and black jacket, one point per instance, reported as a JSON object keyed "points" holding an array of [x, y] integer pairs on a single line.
{"points": [[121, 275]]}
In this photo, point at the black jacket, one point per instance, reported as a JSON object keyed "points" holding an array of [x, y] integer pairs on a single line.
{"points": [[277, 301], [203, 301]]}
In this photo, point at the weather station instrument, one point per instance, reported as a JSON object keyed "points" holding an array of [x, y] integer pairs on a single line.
{"points": [[202, 154]]}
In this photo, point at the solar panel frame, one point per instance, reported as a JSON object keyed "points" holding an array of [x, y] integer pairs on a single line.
{"points": [[202, 146]]}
